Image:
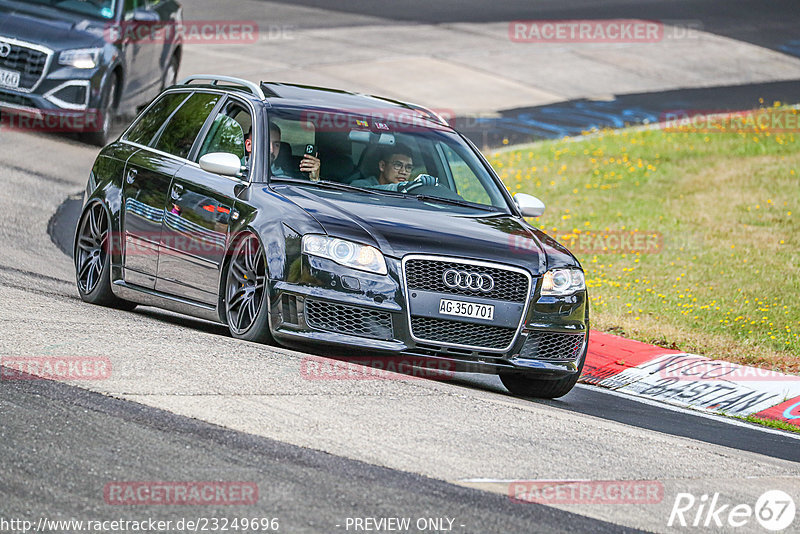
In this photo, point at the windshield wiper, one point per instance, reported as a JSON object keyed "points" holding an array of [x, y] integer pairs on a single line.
{"points": [[342, 186], [456, 202]]}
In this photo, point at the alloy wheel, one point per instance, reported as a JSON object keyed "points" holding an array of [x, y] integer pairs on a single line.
{"points": [[245, 285], [92, 249]]}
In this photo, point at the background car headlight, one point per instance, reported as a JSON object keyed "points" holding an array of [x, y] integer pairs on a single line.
{"points": [[563, 282], [347, 253], [82, 58]]}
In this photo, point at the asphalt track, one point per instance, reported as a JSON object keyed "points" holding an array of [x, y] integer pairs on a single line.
{"points": [[771, 25], [67, 441], [187, 402]]}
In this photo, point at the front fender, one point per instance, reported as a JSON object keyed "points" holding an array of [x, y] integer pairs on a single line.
{"points": [[279, 225]]}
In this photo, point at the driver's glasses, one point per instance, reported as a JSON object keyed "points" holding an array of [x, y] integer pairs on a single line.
{"points": [[399, 166]]}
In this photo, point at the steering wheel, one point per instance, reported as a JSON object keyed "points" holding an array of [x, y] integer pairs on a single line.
{"points": [[420, 181]]}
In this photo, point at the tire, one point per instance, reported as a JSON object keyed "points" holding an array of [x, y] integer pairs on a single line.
{"points": [[523, 385], [108, 110], [93, 261], [171, 73], [245, 291]]}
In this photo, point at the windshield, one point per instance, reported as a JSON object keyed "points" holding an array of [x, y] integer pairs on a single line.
{"points": [[101, 9], [381, 152]]}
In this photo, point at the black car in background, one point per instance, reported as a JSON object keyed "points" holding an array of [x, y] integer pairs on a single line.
{"points": [[444, 270], [67, 58]]}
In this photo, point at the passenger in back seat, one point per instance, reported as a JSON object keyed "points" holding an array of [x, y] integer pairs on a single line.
{"points": [[280, 162]]}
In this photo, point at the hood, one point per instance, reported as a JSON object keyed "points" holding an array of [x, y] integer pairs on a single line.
{"points": [[399, 226], [59, 30]]}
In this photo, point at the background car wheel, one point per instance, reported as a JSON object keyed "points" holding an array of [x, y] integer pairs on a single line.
{"points": [[246, 302], [523, 385], [171, 73], [93, 261], [107, 111]]}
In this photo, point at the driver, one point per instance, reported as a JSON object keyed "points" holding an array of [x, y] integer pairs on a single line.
{"points": [[395, 166]]}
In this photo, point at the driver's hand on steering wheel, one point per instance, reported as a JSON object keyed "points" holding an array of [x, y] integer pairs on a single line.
{"points": [[420, 181]]}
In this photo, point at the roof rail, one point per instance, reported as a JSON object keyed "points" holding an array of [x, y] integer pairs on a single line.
{"points": [[215, 79]]}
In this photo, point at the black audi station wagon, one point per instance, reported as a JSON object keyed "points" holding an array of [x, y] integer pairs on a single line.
{"points": [[203, 207]]}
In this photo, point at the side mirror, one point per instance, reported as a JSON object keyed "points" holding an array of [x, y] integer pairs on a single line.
{"points": [[221, 163], [529, 205], [143, 15]]}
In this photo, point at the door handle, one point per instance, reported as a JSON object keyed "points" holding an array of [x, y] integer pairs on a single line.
{"points": [[177, 192], [131, 176]]}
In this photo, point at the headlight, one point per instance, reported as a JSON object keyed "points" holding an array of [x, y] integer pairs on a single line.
{"points": [[563, 282], [347, 253], [82, 58]]}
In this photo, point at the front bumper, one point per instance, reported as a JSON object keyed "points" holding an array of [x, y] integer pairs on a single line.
{"points": [[353, 313], [50, 96]]}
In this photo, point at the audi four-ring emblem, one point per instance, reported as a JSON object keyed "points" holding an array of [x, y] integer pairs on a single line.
{"points": [[5, 49], [469, 281]]}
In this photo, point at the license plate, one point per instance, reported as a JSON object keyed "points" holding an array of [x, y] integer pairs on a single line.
{"points": [[9, 78], [466, 309]]}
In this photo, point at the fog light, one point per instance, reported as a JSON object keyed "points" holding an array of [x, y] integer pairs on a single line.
{"points": [[70, 95]]}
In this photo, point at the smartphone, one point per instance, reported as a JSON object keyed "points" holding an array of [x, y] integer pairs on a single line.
{"points": [[311, 150]]}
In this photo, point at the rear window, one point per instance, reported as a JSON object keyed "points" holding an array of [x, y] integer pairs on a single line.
{"points": [[180, 132], [148, 124]]}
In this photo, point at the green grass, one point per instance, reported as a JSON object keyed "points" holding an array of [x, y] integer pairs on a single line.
{"points": [[724, 206], [771, 423]]}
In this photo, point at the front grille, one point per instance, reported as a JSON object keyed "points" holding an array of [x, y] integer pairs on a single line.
{"points": [[459, 333], [427, 275], [351, 320], [16, 100], [552, 346], [28, 62]]}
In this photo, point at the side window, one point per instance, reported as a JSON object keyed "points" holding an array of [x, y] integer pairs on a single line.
{"points": [[468, 185], [180, 132], [296, 134], [229, 132], [149, 123]]}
